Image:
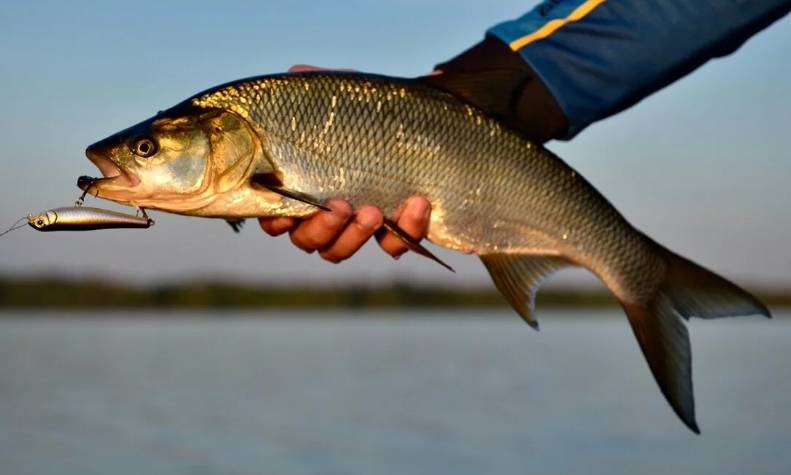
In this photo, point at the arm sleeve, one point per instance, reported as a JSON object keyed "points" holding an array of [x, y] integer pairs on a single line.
{"points": [[599, 57]]}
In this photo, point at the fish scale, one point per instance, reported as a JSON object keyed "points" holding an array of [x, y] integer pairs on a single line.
{"points": [[283, 145], [395, 139]]}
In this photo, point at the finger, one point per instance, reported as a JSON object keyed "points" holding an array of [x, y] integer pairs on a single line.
{"points": [[276, 226], [299, 68], [322, 228], [413, 219], [365, 223]]}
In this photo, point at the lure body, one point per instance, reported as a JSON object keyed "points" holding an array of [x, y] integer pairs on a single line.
{"points": [[85, 218]]}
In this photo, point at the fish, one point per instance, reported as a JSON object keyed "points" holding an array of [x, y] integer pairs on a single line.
{"points": [[285, 144], [85, 218]]}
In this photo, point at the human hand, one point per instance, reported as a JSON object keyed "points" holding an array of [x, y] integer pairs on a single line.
{"points": [[337, 235]]}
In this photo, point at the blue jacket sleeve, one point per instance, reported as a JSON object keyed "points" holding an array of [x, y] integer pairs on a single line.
{"points": [[598, 57]]}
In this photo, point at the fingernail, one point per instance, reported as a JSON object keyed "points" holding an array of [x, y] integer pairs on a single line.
{"points": [[336, 217], [368, 221], [420, 210]]}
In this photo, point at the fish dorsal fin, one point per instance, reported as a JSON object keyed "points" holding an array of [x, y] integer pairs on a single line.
{"points": [[270, 182], [494, 91], [413, 244], [518, 278]]}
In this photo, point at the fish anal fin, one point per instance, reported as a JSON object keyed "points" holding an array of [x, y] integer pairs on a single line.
{"points": [[518, 277], [664, 340], [236, 224], [494, 91], [412, 243], [271, 182]]}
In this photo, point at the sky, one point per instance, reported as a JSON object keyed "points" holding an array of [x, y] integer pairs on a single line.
{"points": [[702, 167]]}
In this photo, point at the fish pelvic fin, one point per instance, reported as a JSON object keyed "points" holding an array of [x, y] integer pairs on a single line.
{"points": [[688, 290], [518, 278], [236, 224]]}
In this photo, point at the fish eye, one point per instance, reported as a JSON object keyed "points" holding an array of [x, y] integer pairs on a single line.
{"points": [[40, 222], [144, 147]]}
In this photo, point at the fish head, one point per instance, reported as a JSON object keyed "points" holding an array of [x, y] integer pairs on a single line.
{"points": [[178, 160]]}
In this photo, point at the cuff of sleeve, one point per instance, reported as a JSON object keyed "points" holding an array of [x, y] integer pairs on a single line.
{"points": [[538, 116]]}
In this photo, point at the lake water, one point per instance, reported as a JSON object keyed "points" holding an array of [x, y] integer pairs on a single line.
{"points": [[375, 393]]}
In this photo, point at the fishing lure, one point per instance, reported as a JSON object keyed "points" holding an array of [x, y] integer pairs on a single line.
{"points": [[82, 218], [85, 218]]}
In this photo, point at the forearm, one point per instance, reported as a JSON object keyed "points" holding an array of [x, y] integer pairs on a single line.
{"points": [[536, 113], [596, 58]]}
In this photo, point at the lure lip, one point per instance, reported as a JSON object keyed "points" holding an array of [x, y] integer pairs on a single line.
{"points": [[112, 173]]}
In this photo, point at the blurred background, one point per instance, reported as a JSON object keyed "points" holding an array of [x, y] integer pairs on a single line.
{"points": [[361, 382]]}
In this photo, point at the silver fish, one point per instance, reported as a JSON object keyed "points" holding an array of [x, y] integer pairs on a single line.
{"points": [[85, 218], [282, 145]]}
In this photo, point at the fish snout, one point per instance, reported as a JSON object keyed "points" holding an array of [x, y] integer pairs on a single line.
{"points": [[112, 173]]}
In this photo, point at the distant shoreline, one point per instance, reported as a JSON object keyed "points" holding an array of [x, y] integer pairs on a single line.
{"points": [[63, 294]]}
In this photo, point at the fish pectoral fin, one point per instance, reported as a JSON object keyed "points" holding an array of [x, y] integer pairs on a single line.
{"points": [[236, 224], [267, 182], [412, 243], [495, 91], [518, 278]]}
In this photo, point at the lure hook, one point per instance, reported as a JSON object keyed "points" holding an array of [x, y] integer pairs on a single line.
{"points": [[81, 199]]}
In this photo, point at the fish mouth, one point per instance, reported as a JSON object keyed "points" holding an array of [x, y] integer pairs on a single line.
{"points": [[113, 176]]}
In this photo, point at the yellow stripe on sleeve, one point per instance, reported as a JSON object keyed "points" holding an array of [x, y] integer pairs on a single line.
{"points": [[553, 25]]}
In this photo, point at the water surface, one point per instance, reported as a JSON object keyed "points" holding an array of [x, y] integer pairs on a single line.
{"points": [[378, 393]]}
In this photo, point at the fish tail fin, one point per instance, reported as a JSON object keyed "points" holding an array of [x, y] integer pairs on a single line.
{"points": [[688, 290], [698, 292], [664, 340]]}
